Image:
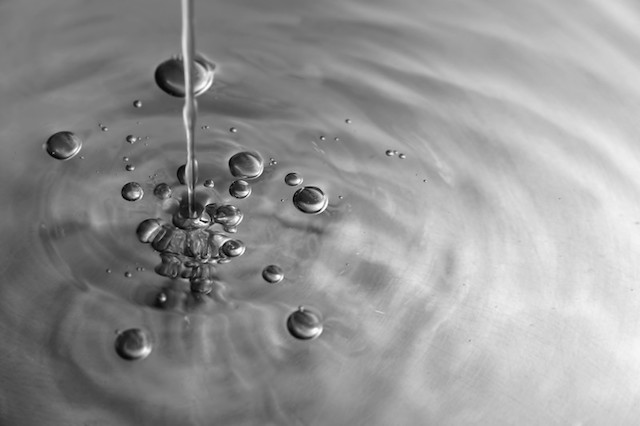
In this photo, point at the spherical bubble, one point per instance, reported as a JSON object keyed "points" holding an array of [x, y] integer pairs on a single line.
{"points": [[130, 167], [305, 323], [233, 130], [169, 76], [240, 189], [131, 139], [132, 191], [310, 200], [293, 179], [162, 191], [227, 215], [232, 248], [137, 103], [402, 156], [246, 165], [148, 230], [272, 274], [390, 153], [209, 183], [133, 344], [63, 145]]}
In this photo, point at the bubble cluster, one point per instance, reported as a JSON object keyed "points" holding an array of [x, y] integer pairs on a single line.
{"points": [[305, 323], [293, 179], [63, 145], [273, 274], [169, 76], [132, 191], [246, 165], [133, 344], [310, 200]]}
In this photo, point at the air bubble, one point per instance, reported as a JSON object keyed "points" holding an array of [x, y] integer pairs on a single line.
{"points": [[137, 103], [402, 156], [240, 189], [125, 159], [348, 121], [133, 344], [104, 128], [162, 191], [390, 153], [181, 173], [322, 138], [228, 215], [272, 274], [293, 179], [130, 167], [305, 323], [232, 248], [131, 139], [63, 145], [169, 76], [233, 130], [132, 191], [128, 274], [209, 183], [310, 200], [246, 165], [148, 230]]}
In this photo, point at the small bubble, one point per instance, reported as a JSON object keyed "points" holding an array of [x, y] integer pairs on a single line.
{"points": [[310, 199], [272, 274], [137, 103], [82, 157], [161, 299], [305, 323], [424, 180], [226, 215], [162, 191], [133, 344], [337, 139], [108, 271], [169, 76], [390, 153], [240, 189], [148, 230], [130, 167], [205, 127], [104, 128], [139, 269], [322, 138], [232, 248], [131, 139], [132, 191], [125, 159], [246, 165], [63, 145], [402, 156], [233, 130], [348, 121], [293, 179], [340, 197], [272, 162], [128, 274], [209, 183]]}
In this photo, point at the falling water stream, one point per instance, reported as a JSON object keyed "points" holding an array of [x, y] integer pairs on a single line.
{"points": [[404, 213]]}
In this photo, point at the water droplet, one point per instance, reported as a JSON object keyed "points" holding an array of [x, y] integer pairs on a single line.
{"points": [[63, 145], [162, 191], [348, 121], [132, 191], [305, 323], [293, 179], [169, 76], [322, 138], [390, 153], [310, 200], [233, 130], [130, 167], [131, 139], [148, 230], [209, 183], [137, 103], [128, 274], [246, 165], [240, 189], [272, 274], [402, 156], [232, 248], [133, 344]]}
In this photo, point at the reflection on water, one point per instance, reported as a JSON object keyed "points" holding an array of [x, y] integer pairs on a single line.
{"points": [[487, 277]]}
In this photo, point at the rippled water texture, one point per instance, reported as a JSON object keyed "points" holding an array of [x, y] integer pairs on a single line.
{"points": [[489, 275]]}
